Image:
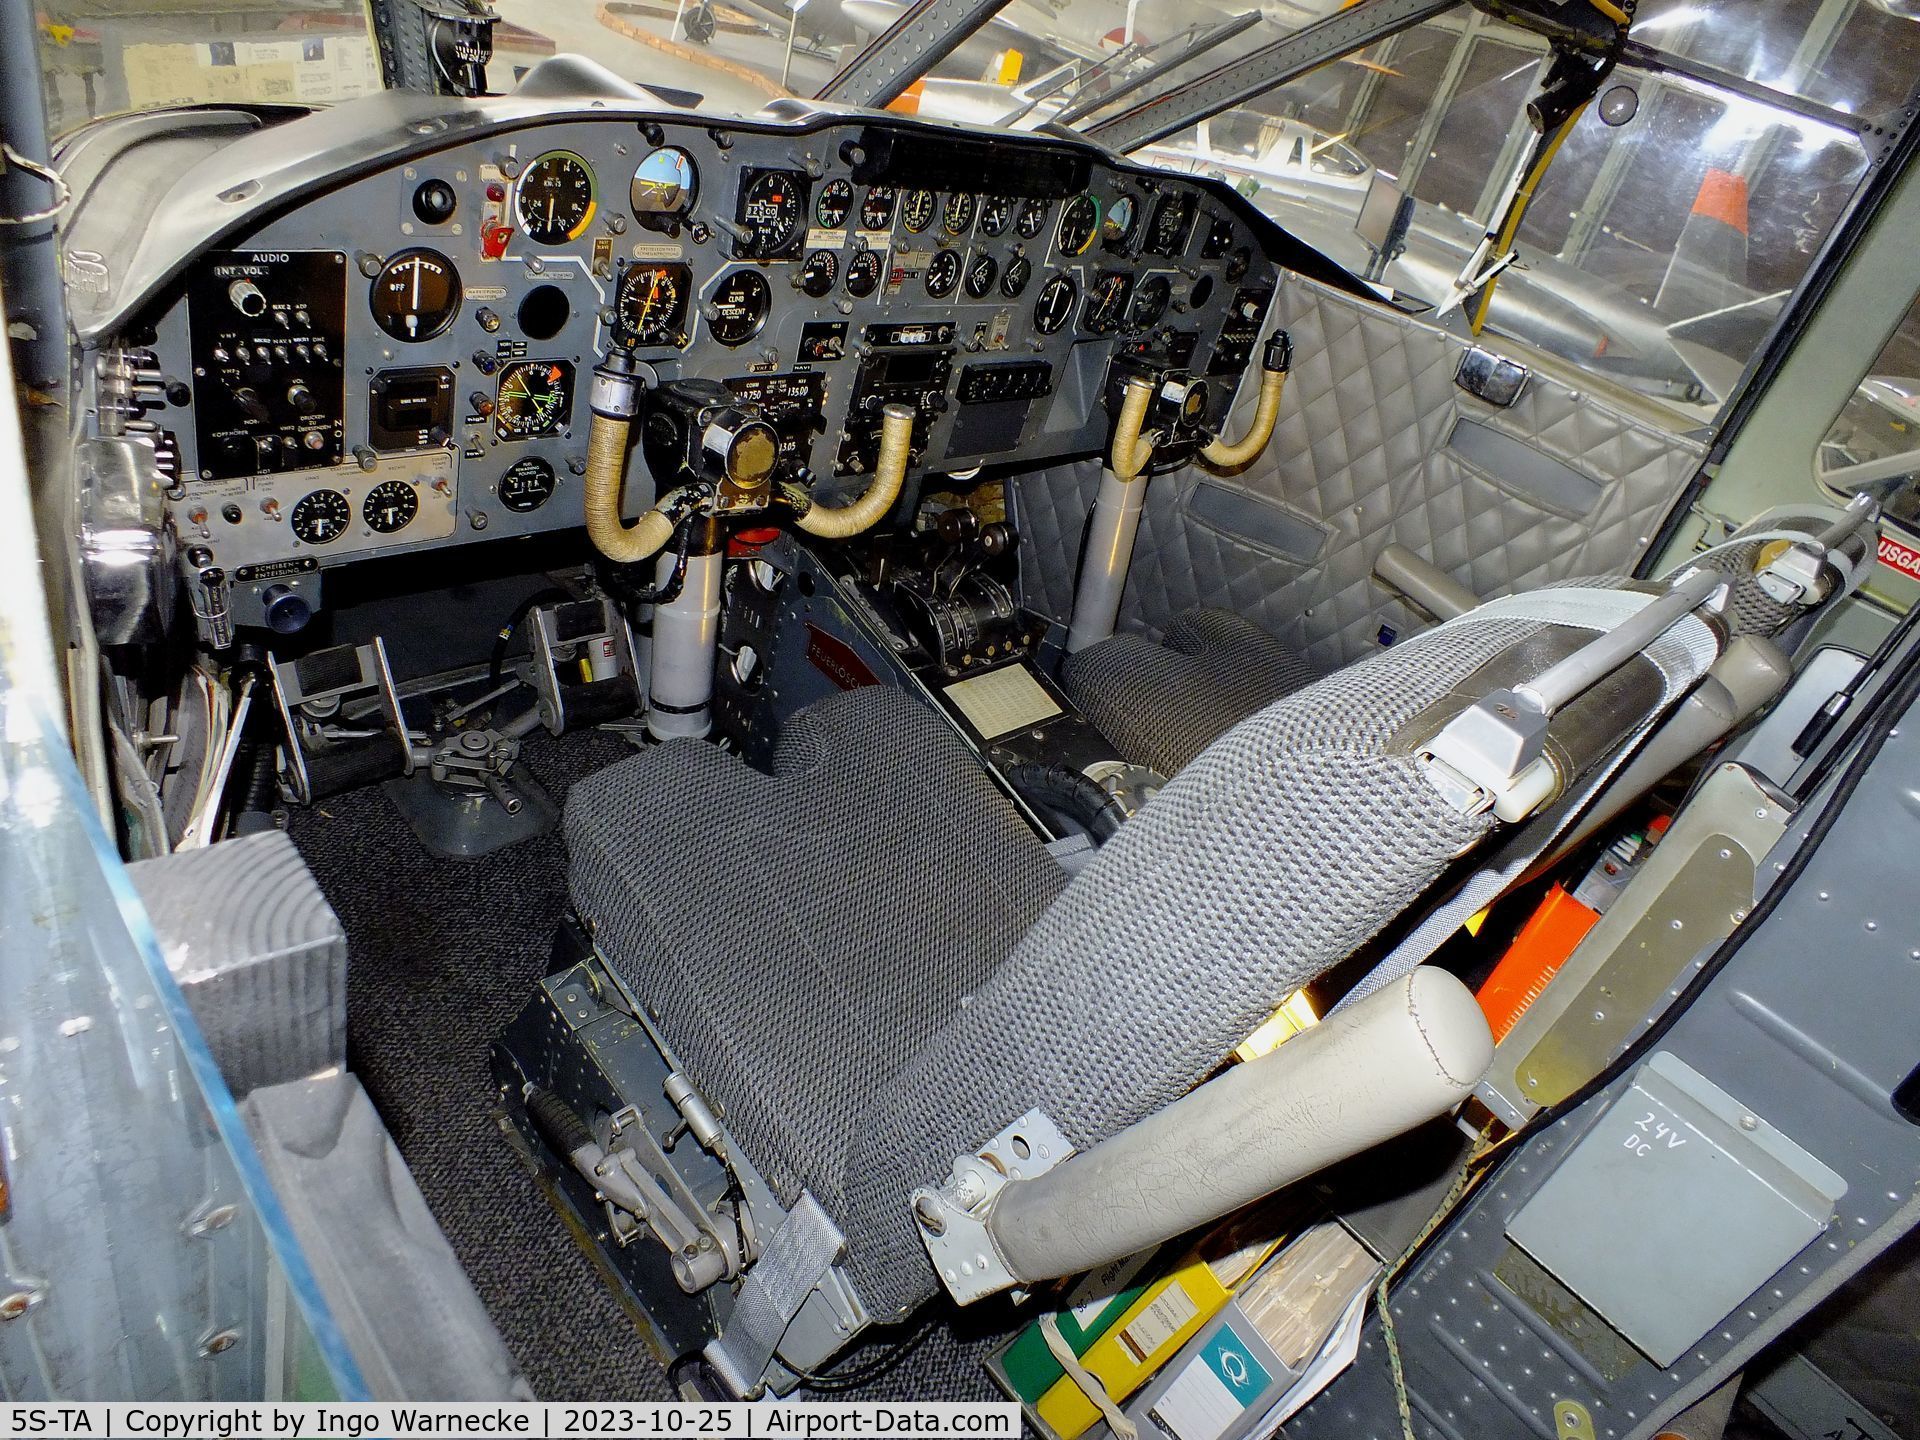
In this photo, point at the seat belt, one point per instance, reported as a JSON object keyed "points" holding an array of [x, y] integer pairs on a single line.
{"points": [[796, 1260], [1682, 654]]}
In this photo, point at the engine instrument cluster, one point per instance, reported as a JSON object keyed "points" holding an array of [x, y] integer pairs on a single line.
{"points": [[400, 360]]}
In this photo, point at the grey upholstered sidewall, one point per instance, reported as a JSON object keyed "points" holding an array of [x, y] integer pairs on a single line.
{"points": [[1361, 452]]}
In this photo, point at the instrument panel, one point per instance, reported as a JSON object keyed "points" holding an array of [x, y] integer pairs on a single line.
{"points": [[402, 360]]}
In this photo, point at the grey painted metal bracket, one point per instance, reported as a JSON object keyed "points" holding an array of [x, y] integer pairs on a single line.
{"points": [[951, 1217]]}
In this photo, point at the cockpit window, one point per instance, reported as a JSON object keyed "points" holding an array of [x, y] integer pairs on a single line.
{"points": [[100, 59], [1873, 445], [1668, 231]]}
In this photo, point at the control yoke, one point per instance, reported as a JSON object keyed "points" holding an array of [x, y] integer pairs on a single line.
{"points": [[1162, 416], [726, 456]]}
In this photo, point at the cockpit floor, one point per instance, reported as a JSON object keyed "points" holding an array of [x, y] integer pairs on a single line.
{"points": [[442, 954]]}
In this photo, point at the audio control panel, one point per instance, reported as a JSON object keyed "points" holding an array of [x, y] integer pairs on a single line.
{"points": [[270, 344]]}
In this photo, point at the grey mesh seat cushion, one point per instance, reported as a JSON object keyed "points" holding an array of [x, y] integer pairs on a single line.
{"points": [[1162, 703], [858, 957], [803, 933]]}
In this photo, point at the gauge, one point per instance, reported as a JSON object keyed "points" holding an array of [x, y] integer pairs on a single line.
{"points": [[652, 305], [1150, 300], [555, 201], [996, 213], [1219, 239], [1033, 218], [527, 484], [1117, 229], [980, 276], [1239, 263], [1079, 221], [943, 273], [864, 272], [830, 210], [321, 517], [416, 294], [534, 399], [917, 212], [1055, 304], [819, 273], [772, 203], [957, 217], [1107, 301], [1172, 222], [1014, 278], [390, 506], [739, 307], [1200, 292], [876, 211], [663, 189]]}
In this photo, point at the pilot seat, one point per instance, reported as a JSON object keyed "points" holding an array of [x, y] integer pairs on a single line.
{"points": [[1161, 702], [844, 1035]]}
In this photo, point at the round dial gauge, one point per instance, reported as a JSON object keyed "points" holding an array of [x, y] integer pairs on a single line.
{"points": [[876, 211], [996, 213], [1055, 304], [739, 307], [1079, 221], [1172, 223], [1200, 292], [555, 201], [835, 201], [980, 276], [957, 217], [416, 294], [390, 506], [916, 212], [1117, 228], [527, 485], [663, 188], [770, 211], [652, 305], [819, 273], [1238, 263], [943, 273], [1150, 300], [321, 517], [1107, 301], [864, 272], [534, 399], [1033, 218], [1015, 277]]}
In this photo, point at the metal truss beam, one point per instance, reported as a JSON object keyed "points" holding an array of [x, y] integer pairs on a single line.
{"points": [[930, 31], [1261, 70]]}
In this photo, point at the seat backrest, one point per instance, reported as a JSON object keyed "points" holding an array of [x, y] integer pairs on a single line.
{"points": [[1290, 842], [1750, 609]]}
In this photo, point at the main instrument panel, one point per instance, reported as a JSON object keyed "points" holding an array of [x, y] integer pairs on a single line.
{"points": [[401, 360]]}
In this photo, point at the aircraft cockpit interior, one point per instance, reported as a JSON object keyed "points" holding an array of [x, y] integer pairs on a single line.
{"points": [[1190, 718]]}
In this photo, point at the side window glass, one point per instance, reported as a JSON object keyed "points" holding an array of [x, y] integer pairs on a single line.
{"points": [[1873, 445], [1672, 225]]}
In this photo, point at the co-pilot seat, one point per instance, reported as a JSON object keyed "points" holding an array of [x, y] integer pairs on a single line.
{"points": [[873, 974], [1161, 702]]}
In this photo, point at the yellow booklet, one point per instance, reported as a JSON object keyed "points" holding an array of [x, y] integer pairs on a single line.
{"points": [[1166, 1316]]}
